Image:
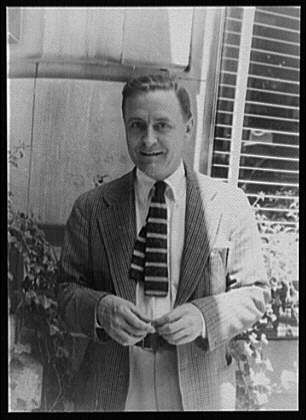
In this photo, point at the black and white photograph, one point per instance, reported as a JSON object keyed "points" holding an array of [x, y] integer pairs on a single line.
{"points": [[153, 208]]}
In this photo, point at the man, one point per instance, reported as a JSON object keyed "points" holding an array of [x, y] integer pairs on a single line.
{"points": [[160, 269]]}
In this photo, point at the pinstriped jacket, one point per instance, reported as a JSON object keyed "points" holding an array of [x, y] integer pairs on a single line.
{"points": [[222, 273]]}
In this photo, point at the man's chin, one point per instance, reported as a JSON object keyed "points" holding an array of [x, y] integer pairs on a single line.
{"points": [[154, 171]]}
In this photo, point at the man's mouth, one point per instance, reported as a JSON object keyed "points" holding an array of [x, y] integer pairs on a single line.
{"points": [[150, 154]]}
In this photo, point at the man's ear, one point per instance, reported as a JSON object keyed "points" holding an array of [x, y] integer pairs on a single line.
{"points": [[189, 128]]}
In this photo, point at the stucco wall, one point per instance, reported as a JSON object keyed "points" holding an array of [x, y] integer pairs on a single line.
{"points": [[72, 131]]}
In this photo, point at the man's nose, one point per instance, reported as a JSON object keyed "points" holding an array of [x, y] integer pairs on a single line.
{"points": [[149, 137]]}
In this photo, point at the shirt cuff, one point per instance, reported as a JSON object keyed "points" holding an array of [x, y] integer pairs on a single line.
{"points": [[97, 323], [203, 335], [101, 335]]}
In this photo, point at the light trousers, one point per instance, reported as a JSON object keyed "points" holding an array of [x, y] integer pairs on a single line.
{"points": [[154, 382]]}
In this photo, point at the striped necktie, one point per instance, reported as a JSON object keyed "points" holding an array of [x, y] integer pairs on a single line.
{"points": [[149, 260]]}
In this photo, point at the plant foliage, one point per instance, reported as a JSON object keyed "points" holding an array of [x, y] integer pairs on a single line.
{"points": [[33, 301], [40, 329], [280, 251]]}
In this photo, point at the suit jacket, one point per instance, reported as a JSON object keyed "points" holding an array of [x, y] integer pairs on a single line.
{"points": [[222, 273]]}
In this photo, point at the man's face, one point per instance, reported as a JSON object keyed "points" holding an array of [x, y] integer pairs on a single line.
{"points": [[156, 132]]}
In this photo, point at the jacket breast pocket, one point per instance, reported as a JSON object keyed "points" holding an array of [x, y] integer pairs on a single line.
{"points": [[217, 270]]}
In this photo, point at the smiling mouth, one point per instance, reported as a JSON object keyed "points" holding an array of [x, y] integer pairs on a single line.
{"points": [[150, 154]]}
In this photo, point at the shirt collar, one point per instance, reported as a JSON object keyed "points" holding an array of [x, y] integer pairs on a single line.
{"points": [[176, 183]]}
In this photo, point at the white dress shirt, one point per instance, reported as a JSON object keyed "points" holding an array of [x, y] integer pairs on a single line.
{"points": [[142, 364]]}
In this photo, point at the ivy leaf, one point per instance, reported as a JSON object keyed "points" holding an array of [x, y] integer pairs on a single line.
{"points": [[248, 350], [68, 405], [45, 302], [268, 365], [54, 329], [22, 348]]}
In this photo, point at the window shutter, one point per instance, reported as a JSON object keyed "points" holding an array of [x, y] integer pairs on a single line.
{"points": [[256, 141]]}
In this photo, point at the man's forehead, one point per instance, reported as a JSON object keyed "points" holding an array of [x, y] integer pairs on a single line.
{"points": [[157, 101]]}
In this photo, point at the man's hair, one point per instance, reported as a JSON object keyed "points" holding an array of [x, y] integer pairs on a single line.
{"points": [[154, 82]]}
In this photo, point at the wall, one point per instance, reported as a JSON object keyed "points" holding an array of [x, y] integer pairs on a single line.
{"points": [[68, 116], [72, 131]]}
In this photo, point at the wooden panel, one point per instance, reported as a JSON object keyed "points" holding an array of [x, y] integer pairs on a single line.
{"points": [[145, 37], [107, 72], [13, 24], [91, 33], [78, 133], [20, 104], [180, 28], [157, 36], [21, 68], [31, 34]]}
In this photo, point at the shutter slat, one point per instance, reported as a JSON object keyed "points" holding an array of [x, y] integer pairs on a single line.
{"points": [[276, 53], [268, 12], [264, 104], [252, 142], [264, 130], [294, 11], [275, 66], [281, 184], [248, 155], [275, 92], [261, 116], [271, 105], [274, 79], [272, 209], [279, 21], [265, 25], [271, 196], [256, 76], [281, 41], [253, 168], [279, 222], [246, 181]]}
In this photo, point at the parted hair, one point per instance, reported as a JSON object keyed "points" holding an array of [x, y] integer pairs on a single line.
{"points": [[157, 82]]}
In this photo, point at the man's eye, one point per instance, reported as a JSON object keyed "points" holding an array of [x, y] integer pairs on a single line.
{"points": [[162, 126], [136, 125]]}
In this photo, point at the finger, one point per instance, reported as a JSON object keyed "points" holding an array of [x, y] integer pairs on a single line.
{"points": [[167, 334], [132, 331], [125, 338], [171, 328], [180, 337], [121, 337], [184, 340], [172, 316], [139, 314], [135, 322], [159, 322]]}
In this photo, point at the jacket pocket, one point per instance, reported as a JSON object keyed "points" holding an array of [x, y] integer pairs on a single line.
{"points": [[217, 270]]}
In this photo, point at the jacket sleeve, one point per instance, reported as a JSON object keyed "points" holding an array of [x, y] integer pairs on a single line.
{"points": [[229, 313], [76, 297]]}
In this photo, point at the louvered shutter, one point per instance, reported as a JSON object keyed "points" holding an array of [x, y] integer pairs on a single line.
{"points": [[256, 141]]}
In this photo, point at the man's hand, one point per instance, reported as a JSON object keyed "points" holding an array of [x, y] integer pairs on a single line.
{"points": [[122, 320], [180, 326]]}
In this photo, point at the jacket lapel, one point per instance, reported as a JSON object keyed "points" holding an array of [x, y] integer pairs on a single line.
{"points": [[117, 227], [201, 224], [118, 231]]}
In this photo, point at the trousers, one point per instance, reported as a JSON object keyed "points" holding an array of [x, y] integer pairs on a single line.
{"points": [[154, 381]]}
